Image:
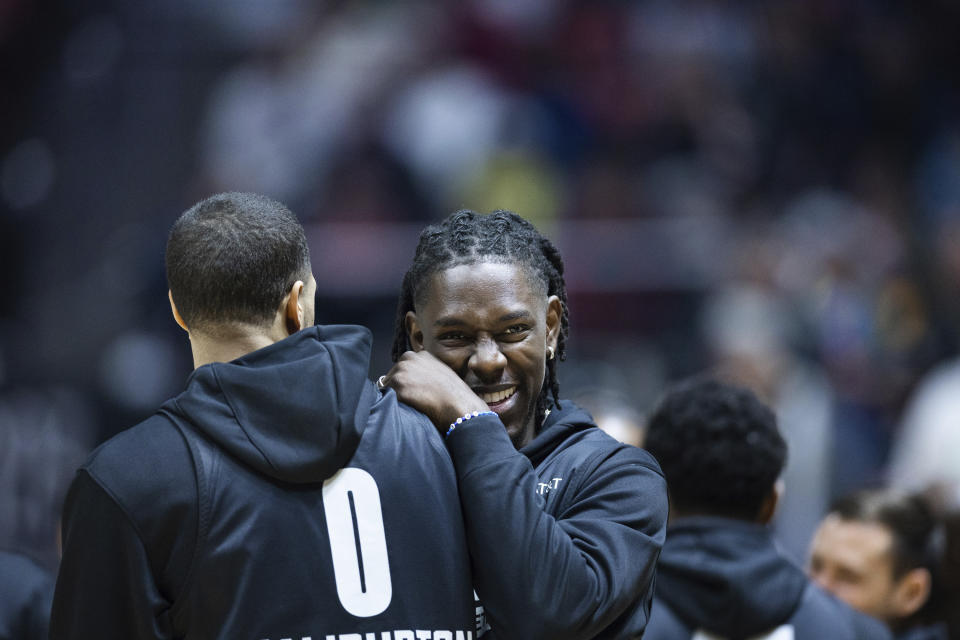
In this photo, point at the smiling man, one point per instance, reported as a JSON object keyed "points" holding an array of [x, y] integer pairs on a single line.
{"points": [[564, 523]]}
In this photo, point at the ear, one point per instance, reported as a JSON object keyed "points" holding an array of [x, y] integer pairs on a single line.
{"points": [[554, 317], [176, 314], [911, 592], [769, 505], [293, 311], [414, 332]]}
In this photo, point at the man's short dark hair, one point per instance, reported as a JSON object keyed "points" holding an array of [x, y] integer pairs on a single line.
{"points": [[718, 446], [232, 258], [908, 517]]}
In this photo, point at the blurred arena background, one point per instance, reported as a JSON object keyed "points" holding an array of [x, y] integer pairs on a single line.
{"points": [[769, 189]]}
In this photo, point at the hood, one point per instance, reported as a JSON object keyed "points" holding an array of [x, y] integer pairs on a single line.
{"points": [[560, 424], [727, 577], [294, 410]]}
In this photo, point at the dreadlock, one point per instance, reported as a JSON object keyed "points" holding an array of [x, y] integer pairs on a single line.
{"points": [[467, 237]]}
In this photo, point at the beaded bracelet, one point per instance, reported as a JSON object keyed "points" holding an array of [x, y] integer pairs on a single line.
{"points": [[467, 416]]}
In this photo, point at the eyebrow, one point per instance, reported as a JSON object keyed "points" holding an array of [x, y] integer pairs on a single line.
{"points": [[516, 315], [453, 321]]}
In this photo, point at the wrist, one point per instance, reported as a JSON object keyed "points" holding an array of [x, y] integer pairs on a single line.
{"points": [[461, 407], [465, 417]]}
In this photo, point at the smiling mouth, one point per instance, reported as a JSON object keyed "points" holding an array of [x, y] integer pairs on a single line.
{"points": [[498, 396]]}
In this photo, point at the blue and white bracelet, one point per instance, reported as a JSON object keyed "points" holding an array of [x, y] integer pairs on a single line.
{"points": [[467, 416]]}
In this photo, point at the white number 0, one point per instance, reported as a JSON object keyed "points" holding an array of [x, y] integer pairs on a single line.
{"points": [[358, 542]]}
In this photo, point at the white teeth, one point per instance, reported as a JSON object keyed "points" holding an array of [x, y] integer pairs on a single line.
{"points": [[498, 396]]}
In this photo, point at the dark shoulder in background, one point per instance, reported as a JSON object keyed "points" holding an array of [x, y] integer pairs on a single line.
{"points": [[26, 590]]}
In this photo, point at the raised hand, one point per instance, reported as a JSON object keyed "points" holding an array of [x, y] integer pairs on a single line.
{"points": [[428, 385]]}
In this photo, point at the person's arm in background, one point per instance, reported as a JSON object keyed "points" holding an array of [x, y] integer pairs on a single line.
{"points": [[539, 576], [105, 587]]}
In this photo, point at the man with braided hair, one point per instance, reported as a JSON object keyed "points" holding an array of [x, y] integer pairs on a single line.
{"points": [[564, 523]]}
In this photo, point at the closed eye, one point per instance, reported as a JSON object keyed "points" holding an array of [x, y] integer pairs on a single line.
{"points": [[516, 332]]}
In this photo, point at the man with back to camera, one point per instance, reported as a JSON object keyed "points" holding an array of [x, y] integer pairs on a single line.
{"points": [[877, 551], [280, 495], [564, 523], [720, 575]]}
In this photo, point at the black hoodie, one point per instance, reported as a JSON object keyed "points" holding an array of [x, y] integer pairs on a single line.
{"points": [[727, 578], [279, 496], [565, 533]]}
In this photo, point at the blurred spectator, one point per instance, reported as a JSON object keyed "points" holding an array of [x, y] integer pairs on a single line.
{"points": [[721, 574], [927, 451], [44, 436], [26, 591], [880, 552], [751, 333]]}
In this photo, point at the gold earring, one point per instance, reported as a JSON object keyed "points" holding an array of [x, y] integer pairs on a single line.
{"points": [[549, 353]]}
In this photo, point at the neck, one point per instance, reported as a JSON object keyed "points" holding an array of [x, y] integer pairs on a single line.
{"points": [[229, 345]]}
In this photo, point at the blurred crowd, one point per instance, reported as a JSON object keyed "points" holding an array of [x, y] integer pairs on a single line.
{"points": [[770, 190]]}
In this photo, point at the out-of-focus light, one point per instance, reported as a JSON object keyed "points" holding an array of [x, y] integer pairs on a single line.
{"points": [[446, 125], [137, 370], [528, 17], [92, 49], [27, 174]]}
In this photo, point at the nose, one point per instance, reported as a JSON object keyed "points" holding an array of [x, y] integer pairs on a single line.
{"points": [[487, 361]]}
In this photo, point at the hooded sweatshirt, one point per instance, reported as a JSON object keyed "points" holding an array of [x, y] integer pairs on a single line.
{"points": [[565, 533], [726, 578], [279, 496]]}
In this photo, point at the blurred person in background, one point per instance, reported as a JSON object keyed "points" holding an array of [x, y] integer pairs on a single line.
{"points": [[721, 572], [749, 329], [280, 495], [44, 435], [926, 450], [565, 524], [880, 551], [26, 590]]}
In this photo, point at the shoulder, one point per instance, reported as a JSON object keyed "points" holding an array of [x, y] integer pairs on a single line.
{"points": [[592, 451], [26, 591], [145, 467], [604, 476], [405, 426], [583, 440], [22, 573], [820, 608], [619, 452], [664, 623]]}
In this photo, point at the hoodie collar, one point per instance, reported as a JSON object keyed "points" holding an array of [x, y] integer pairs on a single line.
{"points": [[293, 410], [560, 424], [727, 576]]}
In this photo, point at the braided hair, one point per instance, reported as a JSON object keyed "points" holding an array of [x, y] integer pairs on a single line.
{"points": [[468, 237]]}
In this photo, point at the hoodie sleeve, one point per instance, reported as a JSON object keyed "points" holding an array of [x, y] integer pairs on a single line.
{"points": [[568, 577], [105, 587]]}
